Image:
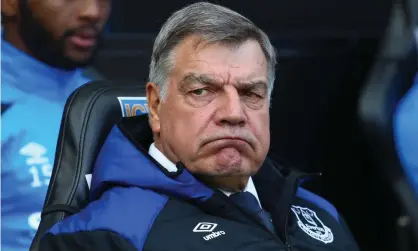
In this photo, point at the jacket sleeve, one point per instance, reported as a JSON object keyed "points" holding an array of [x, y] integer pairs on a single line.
{"points": [[115, 222], [102, 240]]}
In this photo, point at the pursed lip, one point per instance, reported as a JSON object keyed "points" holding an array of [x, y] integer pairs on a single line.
{"points": [[226, 141]]}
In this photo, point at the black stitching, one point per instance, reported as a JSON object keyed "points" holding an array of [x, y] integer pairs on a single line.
{"points": [[62, 142], [80, 152]]}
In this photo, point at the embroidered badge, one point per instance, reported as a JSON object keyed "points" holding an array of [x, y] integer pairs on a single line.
{"points": [[309, 222]]}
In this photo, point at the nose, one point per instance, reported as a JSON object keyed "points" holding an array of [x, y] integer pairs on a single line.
{"points": [[231, 111], [91, 10]]}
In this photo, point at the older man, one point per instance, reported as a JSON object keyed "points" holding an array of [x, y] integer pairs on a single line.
{"points": [[205, 182]]}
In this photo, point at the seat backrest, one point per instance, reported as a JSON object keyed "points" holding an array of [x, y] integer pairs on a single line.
{"points": [[89, 114], [391, 77]]}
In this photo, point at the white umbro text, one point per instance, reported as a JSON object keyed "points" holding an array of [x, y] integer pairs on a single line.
{"points": [[213, 235]]}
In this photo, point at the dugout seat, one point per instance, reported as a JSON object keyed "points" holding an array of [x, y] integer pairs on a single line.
{"points": [[89, 114], [389, 82]]}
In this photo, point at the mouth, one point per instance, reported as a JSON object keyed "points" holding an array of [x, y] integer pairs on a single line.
{"points": [[240, 144], [84, 40]]}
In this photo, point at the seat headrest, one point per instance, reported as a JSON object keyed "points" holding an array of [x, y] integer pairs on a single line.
{"points": [[390, 79], [89, 114]]}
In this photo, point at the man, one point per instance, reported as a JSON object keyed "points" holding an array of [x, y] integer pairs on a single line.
{"points": [[205, 183], [45, 44]]}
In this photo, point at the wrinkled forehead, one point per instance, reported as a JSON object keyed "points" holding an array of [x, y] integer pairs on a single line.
{"points": [[247, 82], [220, 62]]}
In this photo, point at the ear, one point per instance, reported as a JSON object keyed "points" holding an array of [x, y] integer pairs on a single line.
{"points": [[10, 8], [154, 102]]}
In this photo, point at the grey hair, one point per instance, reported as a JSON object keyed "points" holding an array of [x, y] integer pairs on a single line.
{"points": [[213, 24]]}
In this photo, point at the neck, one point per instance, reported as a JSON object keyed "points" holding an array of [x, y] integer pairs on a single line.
{"points": [[229, 184], [166, 151]]}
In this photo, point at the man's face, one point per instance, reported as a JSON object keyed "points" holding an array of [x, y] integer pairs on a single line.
{"points": [[63, 33], [215, 118]]}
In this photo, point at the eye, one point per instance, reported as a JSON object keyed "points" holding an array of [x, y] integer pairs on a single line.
{"points": [[253, 95], [200, 97], [200, 92]]}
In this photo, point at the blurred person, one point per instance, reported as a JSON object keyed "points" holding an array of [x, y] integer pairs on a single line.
{"points": [[194, 174], [45, 46], [405, 126]]}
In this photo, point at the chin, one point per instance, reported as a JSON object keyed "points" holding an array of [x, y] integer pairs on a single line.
{"points": [[80, 58], [229, 171], [232, 171], [210, 167]]}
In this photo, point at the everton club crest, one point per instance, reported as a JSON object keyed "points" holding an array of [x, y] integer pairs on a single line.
{"points": [[309, 222]]}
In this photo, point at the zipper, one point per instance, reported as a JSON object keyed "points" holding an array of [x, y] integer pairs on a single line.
{"points": [[296, 185], [288, 246], [250, 216]]}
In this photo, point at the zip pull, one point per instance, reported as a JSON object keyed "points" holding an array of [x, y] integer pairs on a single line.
{"points": [[288, 246]]}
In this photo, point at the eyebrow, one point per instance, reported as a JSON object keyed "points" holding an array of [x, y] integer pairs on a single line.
{"points": [[257, 84], [210, 80], [200, 78]]}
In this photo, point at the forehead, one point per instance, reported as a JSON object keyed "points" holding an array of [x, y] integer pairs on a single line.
{"points": [[62, 9], [227, 62], [53, 12], [52, 5]]}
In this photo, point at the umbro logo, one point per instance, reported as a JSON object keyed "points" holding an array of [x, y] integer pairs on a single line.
{"points": [[207, 227]]}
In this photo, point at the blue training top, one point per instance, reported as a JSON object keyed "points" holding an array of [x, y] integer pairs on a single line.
{"points": [[406, 133], [33, 96]]}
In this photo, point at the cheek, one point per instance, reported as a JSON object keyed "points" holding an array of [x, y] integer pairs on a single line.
{"points": [[188, 128], [53, 17], [260, 127], [175, 123]]}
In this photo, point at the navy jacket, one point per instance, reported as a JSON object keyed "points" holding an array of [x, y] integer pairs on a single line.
{"points": [[138, 205]]}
